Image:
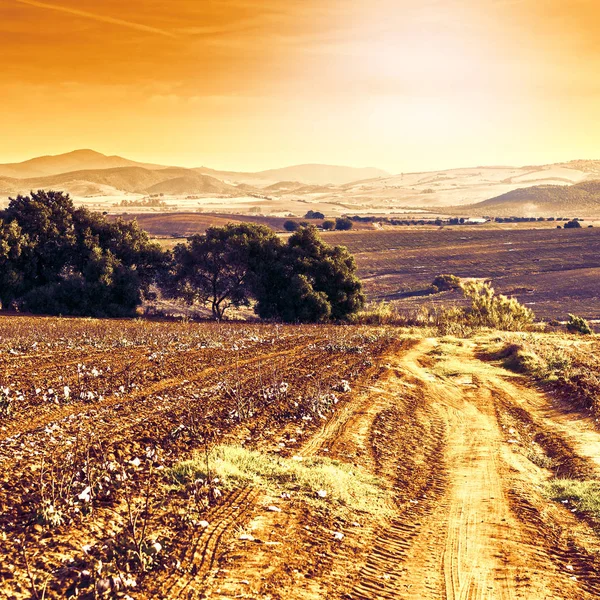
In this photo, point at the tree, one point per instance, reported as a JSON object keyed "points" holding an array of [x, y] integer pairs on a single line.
{"points": [[343, 223], [313, 214], [290, 225], [220, 267], [309, 280], [57, 259], [328, 225], [574, 224]]}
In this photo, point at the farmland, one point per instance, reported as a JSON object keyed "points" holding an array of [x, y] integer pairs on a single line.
{"points": [[553, 271], [186, 460]]}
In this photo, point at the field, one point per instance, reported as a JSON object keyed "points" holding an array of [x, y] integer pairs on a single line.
{"points": [[553, 271], [182, 460]]}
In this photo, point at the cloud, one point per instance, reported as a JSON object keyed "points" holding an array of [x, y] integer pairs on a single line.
{"points": [[97, 17]]}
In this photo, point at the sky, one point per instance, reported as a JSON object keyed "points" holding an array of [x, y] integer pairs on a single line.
{"points": [[248, 85]]}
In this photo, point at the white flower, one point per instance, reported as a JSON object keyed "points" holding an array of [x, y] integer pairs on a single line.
{"points": [[85, 496], [67, 392]]}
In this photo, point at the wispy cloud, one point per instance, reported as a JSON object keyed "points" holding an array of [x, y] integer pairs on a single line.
{"points": [[97, 17]]}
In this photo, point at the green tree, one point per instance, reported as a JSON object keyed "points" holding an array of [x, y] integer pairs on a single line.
{"points": [[343, 223], [314, 214], [290, 225], [64, 260], [308, 281], [328, 225], [220, 267]]}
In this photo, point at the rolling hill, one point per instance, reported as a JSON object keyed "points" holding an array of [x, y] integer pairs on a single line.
{"points": [[560, 189], [78, 160], [581, 199], [122, 179]]}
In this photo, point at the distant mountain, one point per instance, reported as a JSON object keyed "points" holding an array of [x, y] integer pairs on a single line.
{"points": [[123, 179], [493, 190], [299, 174], [581, 199], [85, 160], [322, 174], [77, 160]]}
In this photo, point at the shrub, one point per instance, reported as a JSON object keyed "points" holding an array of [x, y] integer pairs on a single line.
{"points": [[489, 309], [343, 224], [328, 225], [380, 313], [577, 324], [291, 225], [446, 283]]}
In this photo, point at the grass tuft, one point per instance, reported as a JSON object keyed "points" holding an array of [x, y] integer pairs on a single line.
{"points": [[584, 496], [349, 489]]}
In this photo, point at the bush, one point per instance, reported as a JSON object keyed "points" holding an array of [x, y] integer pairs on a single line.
{"points": [[328, 225], [343, 224], [578, 325], [291, 225], [496, 311], [313, 214], [445, 283], [380, 313]]}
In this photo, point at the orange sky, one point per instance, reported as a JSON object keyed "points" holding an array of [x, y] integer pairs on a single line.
{"points": [[245, 84]]}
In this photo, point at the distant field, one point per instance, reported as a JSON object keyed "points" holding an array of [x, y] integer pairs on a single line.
{"points": [[183, 224], [553, 271]]}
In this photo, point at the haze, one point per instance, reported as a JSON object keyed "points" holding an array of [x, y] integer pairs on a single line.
{"points": [[403, 86]]}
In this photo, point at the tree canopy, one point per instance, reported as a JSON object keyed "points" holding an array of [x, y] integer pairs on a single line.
{"points": [[62, 260], [58, 259], [303, 280], [309, 280], [220, 267]]}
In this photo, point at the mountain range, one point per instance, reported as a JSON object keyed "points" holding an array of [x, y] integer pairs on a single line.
{"points": [[497, 190]]}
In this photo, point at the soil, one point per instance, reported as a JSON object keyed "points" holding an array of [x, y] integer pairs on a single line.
{"points": [[456, 441]]}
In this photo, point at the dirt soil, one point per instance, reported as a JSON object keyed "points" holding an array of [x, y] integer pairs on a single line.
{"points": [[463, 446], [470, 520]]}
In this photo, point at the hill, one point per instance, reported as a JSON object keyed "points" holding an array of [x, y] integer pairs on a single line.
{"points": [[78, 160], [581, 199], [322, 174], [125, 179]]}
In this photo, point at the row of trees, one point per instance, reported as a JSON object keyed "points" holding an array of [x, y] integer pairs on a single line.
{"points": [[341, 224], [58, 259]]}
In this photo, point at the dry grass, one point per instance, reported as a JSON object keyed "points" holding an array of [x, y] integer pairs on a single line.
{"points": [[570, 363], [345, 489]]}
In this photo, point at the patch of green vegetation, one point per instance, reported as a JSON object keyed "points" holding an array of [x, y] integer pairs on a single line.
{"points": [[328, 483], [577, 324], [584, 496]]}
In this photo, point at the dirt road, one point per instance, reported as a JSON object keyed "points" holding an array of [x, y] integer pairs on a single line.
{"points": [[465, 447]]}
